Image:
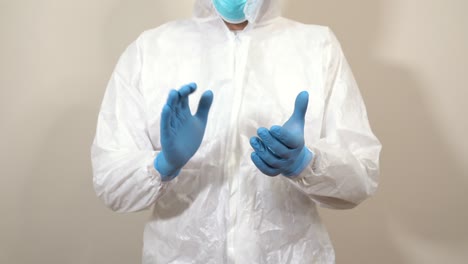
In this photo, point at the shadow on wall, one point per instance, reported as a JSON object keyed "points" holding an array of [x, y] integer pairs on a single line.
{"points": [[416, 214], [62, 220]]}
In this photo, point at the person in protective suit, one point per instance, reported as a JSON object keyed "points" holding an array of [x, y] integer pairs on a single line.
{"points": [[278, 127]]}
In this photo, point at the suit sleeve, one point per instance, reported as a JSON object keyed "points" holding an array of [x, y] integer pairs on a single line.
{"points": [[122, 154], [345, 168]]}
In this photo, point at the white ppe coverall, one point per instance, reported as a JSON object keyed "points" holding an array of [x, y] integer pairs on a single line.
{"points": [[221, 208]]}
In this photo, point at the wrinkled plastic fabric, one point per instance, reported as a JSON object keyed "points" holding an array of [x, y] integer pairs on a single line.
{"points": [[221, 208]]}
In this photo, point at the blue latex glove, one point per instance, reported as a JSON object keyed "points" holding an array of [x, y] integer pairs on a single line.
{"points": [[181, 132], [281, 149]]}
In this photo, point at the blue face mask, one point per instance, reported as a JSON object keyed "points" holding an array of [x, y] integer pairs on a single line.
{"points": [[231, 11]]}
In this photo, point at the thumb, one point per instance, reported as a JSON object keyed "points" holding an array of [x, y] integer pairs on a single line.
{"points": [[300, 107], [204, 106]]}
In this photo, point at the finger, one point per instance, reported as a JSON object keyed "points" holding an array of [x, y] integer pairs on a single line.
{"points": [[173, 99], [184, 93], [257, 144], [300, 106], [204, 106], [265, 154], [166, 121], [278, 148], [188, 89], [285, 136], [262, 166]]}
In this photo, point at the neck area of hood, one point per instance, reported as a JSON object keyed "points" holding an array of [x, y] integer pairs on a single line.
{"points": [[256, 11]]}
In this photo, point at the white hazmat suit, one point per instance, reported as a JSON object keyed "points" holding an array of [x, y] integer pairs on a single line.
{"points": [[221, 208]]}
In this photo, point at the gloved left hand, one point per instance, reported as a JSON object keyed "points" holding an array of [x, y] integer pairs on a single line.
{"points": [[281, 149]]}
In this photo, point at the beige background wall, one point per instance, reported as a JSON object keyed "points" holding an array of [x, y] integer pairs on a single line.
{"points": [[409, 56]]}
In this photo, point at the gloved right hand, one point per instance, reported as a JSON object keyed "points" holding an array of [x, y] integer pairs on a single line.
{"points": [[181, 132]]}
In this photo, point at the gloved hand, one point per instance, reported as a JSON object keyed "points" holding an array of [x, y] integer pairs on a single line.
{"points": [[281, 149], [181, 132]]}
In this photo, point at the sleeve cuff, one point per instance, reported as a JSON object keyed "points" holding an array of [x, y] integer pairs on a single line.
{"points": [[156, 178]]}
